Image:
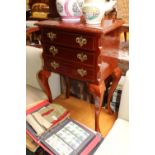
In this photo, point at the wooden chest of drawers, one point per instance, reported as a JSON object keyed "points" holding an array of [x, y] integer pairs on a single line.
{"points": [[81, 52]]}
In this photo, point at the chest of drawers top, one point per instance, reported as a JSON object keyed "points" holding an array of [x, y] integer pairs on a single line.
{"points": [[76, 35], [72, 33], [105, 27]]}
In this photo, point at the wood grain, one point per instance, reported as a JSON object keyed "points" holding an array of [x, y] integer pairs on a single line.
{"points": [[83, 112]]}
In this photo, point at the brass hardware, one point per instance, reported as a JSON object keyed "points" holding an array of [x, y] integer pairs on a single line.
{"points": [[54, 64], [81, 41], [82, 72], [51, 35], [53, 50], [82, 56]]}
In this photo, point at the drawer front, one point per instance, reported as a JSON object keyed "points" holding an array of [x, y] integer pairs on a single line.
{"points": [[74, 71], [69, 54], [81, 41]]}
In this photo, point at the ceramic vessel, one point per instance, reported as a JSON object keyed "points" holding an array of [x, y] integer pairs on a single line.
{"points": [[94, 10], [70, 10]]}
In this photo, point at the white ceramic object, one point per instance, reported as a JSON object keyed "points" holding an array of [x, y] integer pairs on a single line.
{"points": [[70, 10], [94, 10]]}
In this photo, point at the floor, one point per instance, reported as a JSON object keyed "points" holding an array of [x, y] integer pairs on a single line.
{"points": [[83, 112]]}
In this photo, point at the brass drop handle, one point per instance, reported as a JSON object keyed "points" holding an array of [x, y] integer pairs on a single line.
{"points": [[82, 56], [81, 41], [82, 72], [51, 35], [55, 65], [53, 50]]}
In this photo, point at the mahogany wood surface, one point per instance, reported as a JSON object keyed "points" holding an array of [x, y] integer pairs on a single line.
{"points": [[67, 81], [32, 29], [116, 75], [98, 92], [82, 52], [43, 76], [105, 27]]}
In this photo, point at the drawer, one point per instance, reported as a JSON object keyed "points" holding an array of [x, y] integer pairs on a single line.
{"points": [[79, 72], [76, 40], [70, 54]]}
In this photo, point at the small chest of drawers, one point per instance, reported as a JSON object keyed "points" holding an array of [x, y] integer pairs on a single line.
{"points": [[79, 51]]}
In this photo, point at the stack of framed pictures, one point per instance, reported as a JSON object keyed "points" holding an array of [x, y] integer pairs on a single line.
{"points": [[66, 137]]}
